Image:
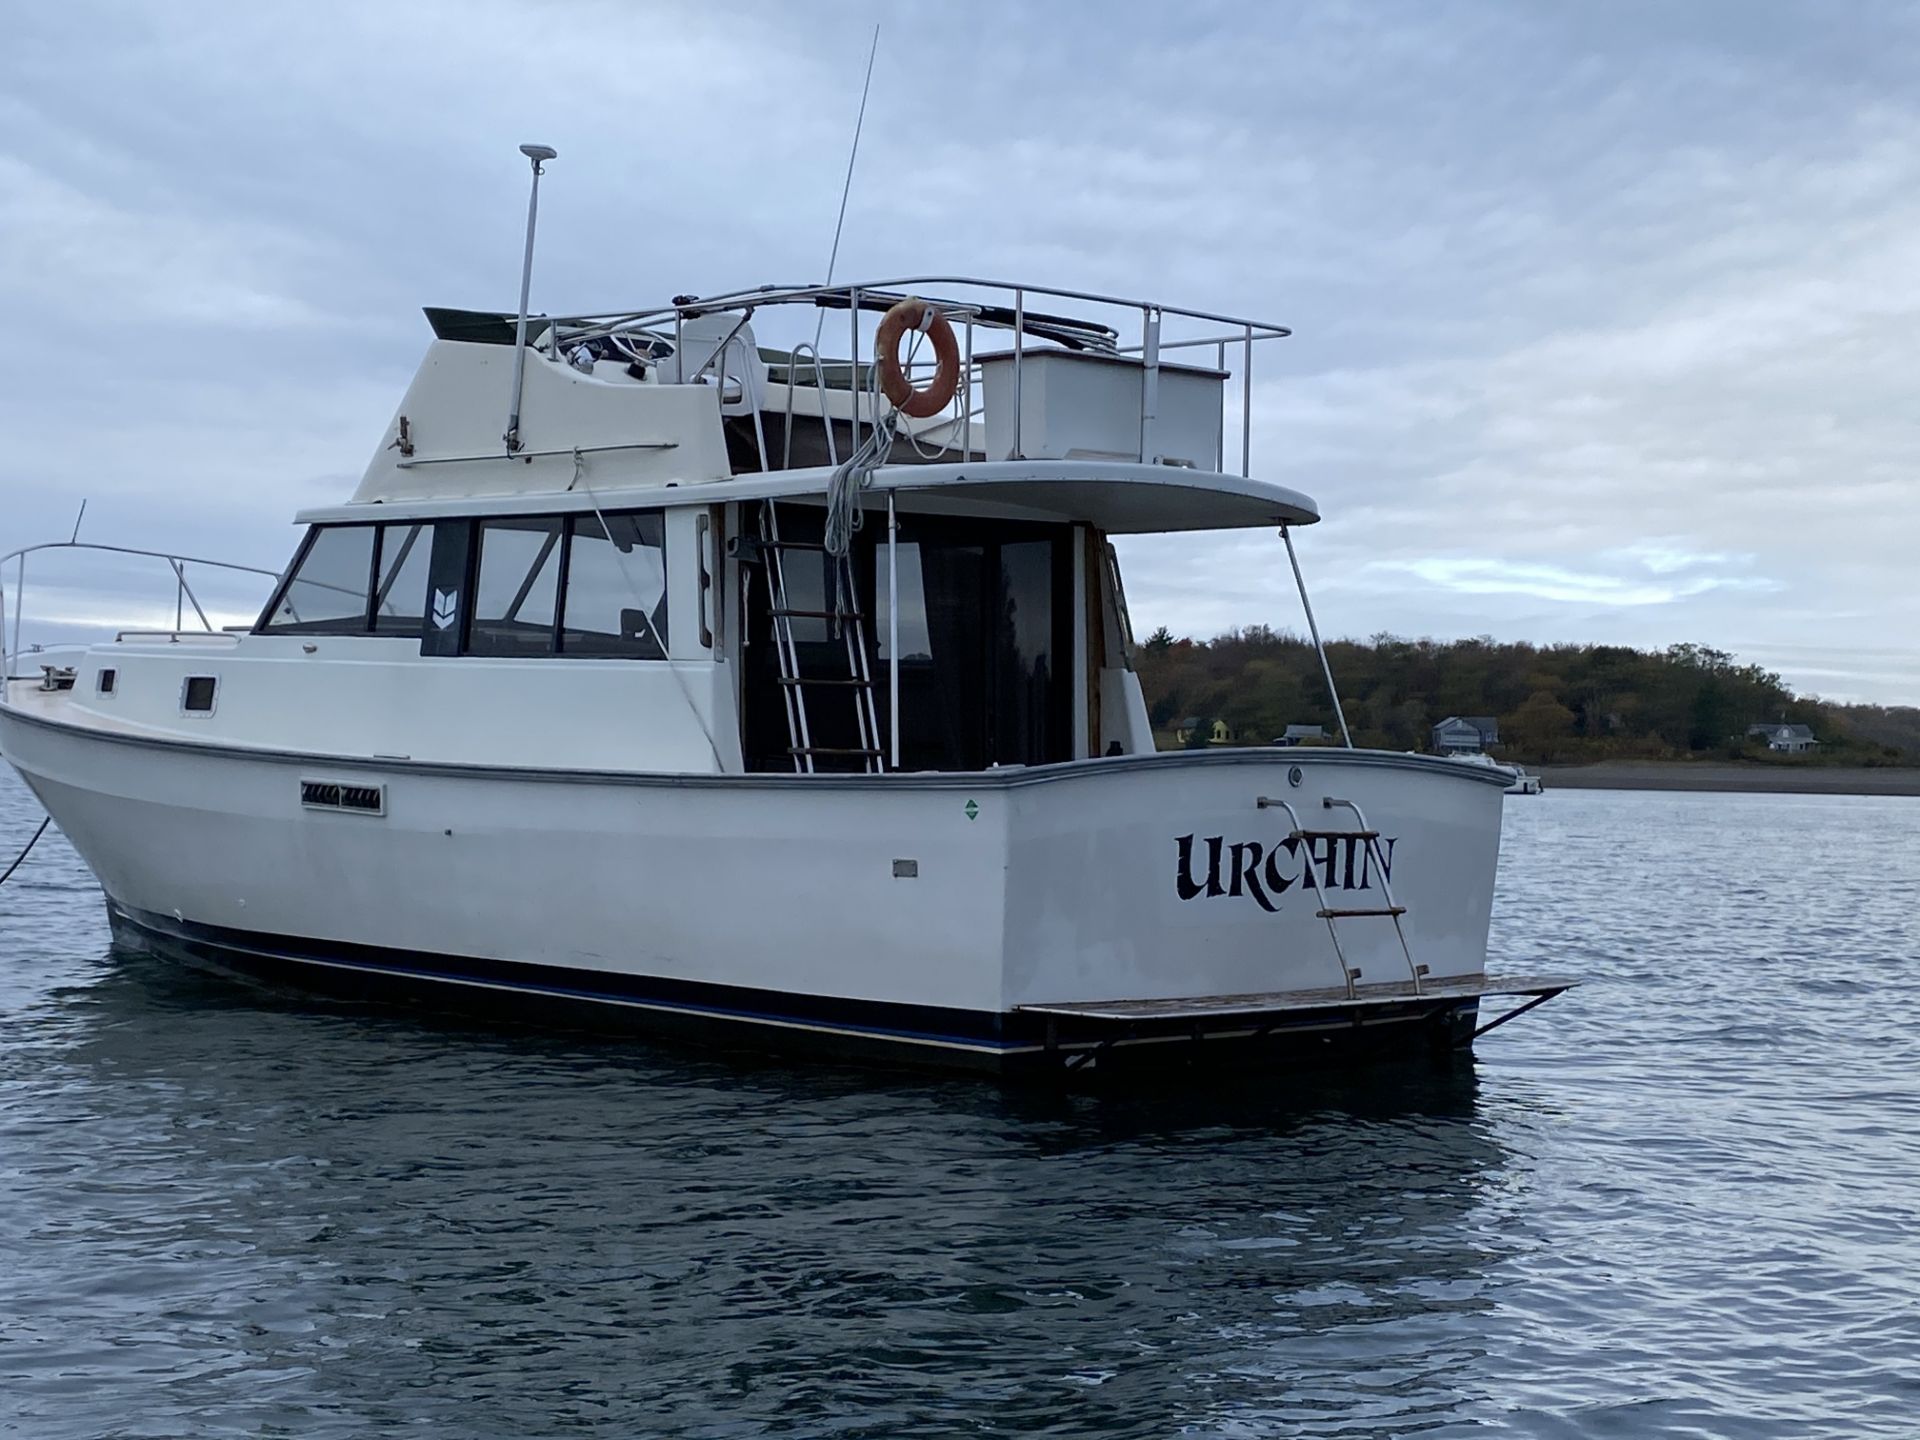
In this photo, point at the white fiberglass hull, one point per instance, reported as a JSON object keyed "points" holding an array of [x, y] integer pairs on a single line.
{"points": [[905, 915]]}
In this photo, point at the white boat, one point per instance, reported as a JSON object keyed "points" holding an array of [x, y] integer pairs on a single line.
{"points": [[617, 719], [1521, 781]]}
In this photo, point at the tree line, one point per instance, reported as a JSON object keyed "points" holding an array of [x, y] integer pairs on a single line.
{"points": [[1555, 703]]}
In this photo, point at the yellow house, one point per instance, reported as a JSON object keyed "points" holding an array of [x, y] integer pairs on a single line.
{"points": [[1219, 732]]}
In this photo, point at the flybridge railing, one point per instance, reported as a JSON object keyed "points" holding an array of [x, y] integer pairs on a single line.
{"points": [[183, 594], [1119, 326]]}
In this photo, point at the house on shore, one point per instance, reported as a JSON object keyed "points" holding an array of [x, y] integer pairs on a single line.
{"points": [[1465, 735], [1784, 739], [1218, 731], [1302, 735]]}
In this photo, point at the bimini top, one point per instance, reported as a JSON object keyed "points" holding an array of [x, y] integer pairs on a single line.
{"points": [[1070, 422]]}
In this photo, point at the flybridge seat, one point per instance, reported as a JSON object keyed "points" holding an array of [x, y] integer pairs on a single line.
{"points": [[833, 374]]}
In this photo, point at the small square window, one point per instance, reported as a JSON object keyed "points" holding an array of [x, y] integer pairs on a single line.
{"points": [[107, 679], [196, 696]]}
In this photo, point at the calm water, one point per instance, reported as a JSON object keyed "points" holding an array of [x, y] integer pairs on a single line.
{"points": [[1680, 1201]]}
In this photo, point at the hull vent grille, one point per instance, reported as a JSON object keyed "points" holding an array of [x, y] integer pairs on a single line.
{"points": [[330, 795]]}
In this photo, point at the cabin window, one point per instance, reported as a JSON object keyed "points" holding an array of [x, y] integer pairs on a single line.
{"points": [[107, 679], [616, 587], [579, 586], [516, 587], [400, 593], [197, 692], [328, 591]]}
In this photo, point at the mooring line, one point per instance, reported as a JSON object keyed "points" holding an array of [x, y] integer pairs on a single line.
{"points": [[24, 853]]}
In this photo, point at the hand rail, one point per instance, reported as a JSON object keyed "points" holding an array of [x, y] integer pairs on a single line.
{"points": [[1012, 310], [131, 550], [183, 592], [791, 294]]}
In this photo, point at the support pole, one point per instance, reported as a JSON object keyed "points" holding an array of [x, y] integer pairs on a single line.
{"points": [[1019, 335], [1149, 385], [893, 633], [854, 388], [1313, 629], [538, 154], [1246, 411], [1220, 447], [19, 599], [179, 620]]}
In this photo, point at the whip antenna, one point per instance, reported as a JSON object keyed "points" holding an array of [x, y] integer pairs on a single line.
{"points": [[853, 155]]}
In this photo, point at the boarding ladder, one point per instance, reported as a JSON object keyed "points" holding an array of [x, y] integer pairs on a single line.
{"points": [[1376, 857], [849, 625]]}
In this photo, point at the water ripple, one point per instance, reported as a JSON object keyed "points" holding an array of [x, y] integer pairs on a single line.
{"points": [[1676, 1202]]}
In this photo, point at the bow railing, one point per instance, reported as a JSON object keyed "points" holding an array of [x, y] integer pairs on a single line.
{"points": [[184, 596]]}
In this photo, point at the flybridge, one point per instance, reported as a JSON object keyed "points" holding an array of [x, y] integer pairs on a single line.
{"points": [[710, 387]]}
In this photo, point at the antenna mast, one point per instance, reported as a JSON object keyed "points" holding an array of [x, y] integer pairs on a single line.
{"points": [[539, 155]]}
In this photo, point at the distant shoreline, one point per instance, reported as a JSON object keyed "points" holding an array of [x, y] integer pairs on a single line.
{"points": [[1708, 775]]}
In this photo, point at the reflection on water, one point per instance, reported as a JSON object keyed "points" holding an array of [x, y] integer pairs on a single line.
{"points": [[234, 1209]]}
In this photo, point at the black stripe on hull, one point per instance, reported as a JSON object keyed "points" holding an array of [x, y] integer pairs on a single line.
{"points": [[824, 1027]]}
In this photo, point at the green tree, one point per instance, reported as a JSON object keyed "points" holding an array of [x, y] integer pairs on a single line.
{"points": [[1567, 700], [1540, 726]]}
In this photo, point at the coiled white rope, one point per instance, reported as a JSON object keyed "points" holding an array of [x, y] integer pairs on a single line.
{"points": [[846, 511]]}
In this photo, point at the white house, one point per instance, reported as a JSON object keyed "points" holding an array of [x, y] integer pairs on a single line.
{"points": [[1302, 734], [1465, 734], [1786, 739]]}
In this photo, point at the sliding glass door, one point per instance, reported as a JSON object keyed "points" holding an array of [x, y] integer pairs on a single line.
{"points": [[985, 643]]}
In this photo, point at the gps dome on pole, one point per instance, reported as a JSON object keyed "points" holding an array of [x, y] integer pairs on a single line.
{"points": [[539, 155]]}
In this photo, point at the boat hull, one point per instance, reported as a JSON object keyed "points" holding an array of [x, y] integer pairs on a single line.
{"points": [[1016, 1046], [925, 919]]}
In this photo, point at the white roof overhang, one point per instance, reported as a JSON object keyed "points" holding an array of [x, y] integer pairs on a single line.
{"points": [[1120, 498]]}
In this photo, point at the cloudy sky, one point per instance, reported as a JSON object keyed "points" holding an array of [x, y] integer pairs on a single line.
{"points": [[1605, 314]]}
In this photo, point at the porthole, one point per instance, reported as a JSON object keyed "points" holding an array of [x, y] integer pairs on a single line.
{"points": [[196, 694], [107, 681]]}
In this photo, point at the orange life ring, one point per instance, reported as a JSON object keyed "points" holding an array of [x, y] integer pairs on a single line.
{"points": [[894, 384]]}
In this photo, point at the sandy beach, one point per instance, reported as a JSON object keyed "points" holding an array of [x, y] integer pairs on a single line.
{"points": [[1703, 775]]}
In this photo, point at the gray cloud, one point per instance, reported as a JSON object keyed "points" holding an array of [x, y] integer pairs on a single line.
{"points": [[1602, 312]]}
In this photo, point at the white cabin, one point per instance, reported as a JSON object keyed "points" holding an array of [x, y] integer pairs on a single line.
{"points": [[617, 562]]}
